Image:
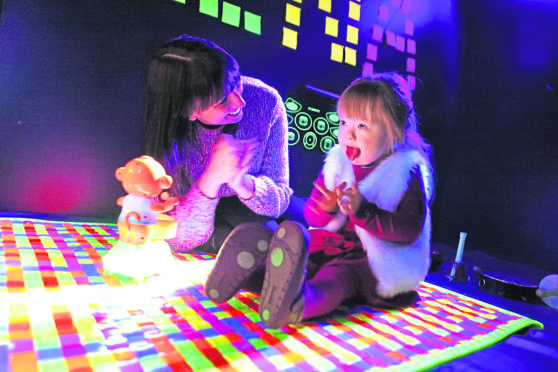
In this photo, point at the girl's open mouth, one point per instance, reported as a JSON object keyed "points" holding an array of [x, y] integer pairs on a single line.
{"points": [[352, 152]]}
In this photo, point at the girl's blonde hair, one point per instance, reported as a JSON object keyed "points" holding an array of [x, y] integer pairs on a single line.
{"points": [[385, 98]]}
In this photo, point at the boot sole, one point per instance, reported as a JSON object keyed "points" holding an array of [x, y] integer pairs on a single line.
{"points": [[285, 271], [244, 250]]}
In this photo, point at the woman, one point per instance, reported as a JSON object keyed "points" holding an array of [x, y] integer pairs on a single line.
{"points": [[221, 136]]}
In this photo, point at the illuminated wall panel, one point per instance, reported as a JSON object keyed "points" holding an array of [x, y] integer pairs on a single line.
{"points": [[290, 38], [324, 5], [292, 14], [210, 7], [364, 35], [252, 23], [332, 27], [231, 14], [354, 11], [292, 17], [350, 56]]}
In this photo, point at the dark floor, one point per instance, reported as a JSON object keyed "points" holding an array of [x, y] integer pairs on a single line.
{"points": [[535, 351]]}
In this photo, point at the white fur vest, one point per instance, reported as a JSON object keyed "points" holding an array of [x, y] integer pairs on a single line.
{"points": [[398, 267]]}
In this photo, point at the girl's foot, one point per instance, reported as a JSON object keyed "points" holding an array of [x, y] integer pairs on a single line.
{"points": [[282, 300], [244, 250]]}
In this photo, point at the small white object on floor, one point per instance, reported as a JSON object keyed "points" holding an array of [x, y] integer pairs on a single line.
{"points": [[548, 290]]}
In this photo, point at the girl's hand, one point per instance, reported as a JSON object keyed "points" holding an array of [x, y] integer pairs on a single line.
{"points": [[328, 198], [349, 200]]}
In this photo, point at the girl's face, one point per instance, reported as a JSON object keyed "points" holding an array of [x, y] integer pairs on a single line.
{"points": [[363, 142], [227, 111]]}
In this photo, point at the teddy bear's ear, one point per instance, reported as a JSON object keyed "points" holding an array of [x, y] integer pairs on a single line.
{"points": [[118, 173], [165, 182]]}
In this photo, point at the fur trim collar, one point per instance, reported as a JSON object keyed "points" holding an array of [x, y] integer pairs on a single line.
{"points": [[399, 268]]}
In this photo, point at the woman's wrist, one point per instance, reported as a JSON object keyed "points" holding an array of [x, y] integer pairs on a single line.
{"points": [[246, 188], [208, 186]]}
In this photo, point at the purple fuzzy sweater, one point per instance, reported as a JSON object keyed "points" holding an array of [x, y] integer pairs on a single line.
{"points": [[264, 119]]}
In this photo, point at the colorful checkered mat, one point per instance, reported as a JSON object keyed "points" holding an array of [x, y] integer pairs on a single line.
{"points": [[64, 314]]}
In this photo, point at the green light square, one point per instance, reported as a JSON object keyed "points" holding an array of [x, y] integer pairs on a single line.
{"points": [[231, 14], [253, 23], [210, 7]]}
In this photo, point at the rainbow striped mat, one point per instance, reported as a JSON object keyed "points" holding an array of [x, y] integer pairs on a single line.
{"points": [[64, 313]]}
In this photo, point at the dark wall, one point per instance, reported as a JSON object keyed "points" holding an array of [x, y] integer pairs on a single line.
{"points": [[501, 183], [72, 77], [72, 81]]}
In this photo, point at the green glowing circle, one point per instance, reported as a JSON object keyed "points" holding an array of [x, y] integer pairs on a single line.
{"points": [[277, 257], [265, 314]]}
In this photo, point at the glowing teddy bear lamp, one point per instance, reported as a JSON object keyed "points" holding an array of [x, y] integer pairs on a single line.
{"points": [[141, 250]]}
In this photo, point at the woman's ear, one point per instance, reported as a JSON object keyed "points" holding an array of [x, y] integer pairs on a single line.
{"points": [[193, 117]]}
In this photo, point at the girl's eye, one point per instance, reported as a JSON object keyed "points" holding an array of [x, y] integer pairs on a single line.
{"points": [[342, 122], [362, 126]]}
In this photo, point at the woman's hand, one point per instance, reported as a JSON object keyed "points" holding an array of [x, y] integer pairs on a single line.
{"points": [[242, 182], [228, 164]]}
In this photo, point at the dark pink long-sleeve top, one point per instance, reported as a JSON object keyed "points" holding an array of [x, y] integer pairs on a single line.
{"points": [[402, 226]]}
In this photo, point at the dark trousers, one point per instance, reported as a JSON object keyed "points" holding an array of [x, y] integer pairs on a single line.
{"points": [[230, 213]]}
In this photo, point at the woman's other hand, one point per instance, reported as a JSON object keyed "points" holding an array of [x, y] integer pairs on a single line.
{"points": [[230, 160]]}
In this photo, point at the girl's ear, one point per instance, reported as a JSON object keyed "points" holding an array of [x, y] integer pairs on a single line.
{"points": [[193, 116]]}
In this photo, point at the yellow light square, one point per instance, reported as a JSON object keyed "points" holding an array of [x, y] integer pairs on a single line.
{"points": [[350, 56], [336, 52], [352, 34], [332, 27], [354, 11], [292, 14], [325, 5], [290, 38]]}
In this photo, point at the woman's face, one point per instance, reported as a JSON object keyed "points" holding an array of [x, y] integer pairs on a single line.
{"points": [[363, 142], [227, 111]]}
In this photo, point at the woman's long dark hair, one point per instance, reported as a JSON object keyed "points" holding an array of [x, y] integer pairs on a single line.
{"points": [[184, 75]]}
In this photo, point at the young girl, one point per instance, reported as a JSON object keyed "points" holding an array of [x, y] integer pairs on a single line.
{"points": [[221, 136], [370, 210], [370, 213]]}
